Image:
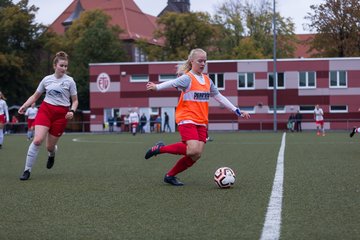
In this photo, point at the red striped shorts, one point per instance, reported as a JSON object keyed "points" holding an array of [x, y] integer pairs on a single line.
{"points": [[52, 117]]}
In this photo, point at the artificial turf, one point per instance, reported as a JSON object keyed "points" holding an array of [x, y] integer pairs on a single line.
{"points": [[101, 187]]}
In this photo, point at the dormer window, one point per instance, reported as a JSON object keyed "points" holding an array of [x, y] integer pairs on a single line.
{"points": [[74, 15]]}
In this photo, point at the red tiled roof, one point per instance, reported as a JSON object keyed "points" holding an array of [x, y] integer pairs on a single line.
{"points": [[303, 47], [124, 13], [137, 24]]}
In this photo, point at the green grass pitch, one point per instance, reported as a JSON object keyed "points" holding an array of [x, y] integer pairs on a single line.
{"points": [[101, 187]]}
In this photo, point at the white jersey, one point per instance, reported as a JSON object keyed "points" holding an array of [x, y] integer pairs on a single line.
{"points": [[4, 109], [31, 112], [58, 90], [133, 117], [318, 114]]}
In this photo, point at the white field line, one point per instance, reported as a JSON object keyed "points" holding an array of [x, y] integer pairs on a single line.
{"points": [[97, 141], [272, 224]]}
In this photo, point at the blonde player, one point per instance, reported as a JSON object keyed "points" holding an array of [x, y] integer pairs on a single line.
{"points": [[191, 113], [54, 111], [319, 120], [4, 117], [31, 114]]}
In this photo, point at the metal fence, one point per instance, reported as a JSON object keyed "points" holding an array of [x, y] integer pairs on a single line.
{"points": [[250, 124]]}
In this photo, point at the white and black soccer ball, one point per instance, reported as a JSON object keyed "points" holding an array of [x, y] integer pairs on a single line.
{"points": [[224, 177]]}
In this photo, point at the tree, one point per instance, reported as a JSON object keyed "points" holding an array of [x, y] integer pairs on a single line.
{"points": [[337, 27], [91, 39], [246, 49], [260, 24], [228, 21], [239, 21], [19, 45], [226, 34], [182, 32]]}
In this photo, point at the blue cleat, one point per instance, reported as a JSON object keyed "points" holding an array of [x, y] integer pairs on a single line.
{"points": [[172, 180], [155, 150]]}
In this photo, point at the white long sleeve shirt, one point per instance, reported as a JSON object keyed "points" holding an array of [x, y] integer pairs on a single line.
{"points": [[4, 109]]}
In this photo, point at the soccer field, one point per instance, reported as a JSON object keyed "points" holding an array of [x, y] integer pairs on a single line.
{"points": [[101, 187]]}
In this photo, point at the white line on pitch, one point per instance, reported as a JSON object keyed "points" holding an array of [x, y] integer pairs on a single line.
{"points": [[272, 224], [97, 141]]}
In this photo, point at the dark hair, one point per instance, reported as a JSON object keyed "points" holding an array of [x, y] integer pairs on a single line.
{"points": [[2, 96], [60, 56]]}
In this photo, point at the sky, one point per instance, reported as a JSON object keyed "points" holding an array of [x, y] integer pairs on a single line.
{"points": [[49, 10]]}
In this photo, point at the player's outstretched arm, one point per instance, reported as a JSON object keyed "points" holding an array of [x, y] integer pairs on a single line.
{"points": [[242, 114], [150, 86], [33, 98]]}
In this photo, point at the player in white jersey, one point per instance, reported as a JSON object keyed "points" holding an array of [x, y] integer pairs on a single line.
{"points": [[4, 117], [54, 111], [31, 113], [134, 121], [319, 120]]}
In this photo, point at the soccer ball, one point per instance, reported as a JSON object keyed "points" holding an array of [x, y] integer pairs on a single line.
{"points": [[224, 177]]}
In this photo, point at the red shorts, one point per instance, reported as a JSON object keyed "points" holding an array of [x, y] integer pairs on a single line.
{"points": [[31, 123], [2, 118], [52, 117], [190, 131], [321, 123]]}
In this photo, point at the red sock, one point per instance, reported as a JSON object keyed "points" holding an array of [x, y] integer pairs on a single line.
{"points": [[176, 148], [181, 165]]}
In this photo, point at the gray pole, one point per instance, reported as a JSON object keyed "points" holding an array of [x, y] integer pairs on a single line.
{"points": [[274, 73]]}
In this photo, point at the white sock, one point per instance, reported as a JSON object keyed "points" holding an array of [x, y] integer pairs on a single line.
{"points": [[1, 136], [31, 156], [357, 130], [29, 134], [52, 154]]}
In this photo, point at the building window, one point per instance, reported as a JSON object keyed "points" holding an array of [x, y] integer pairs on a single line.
{"points": [[139, 78], [279, 109], [167, 77], [246, 80], [280, 80], [338, 109], [218, 80], [338, 79], [249, 109], [139, 55], [154, 111], [307, 108], [307, 79]]}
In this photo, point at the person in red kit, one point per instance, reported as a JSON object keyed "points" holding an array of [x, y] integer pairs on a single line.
{"points": [[4, 117], [191, 113], [31, 114], [59, 105]]}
